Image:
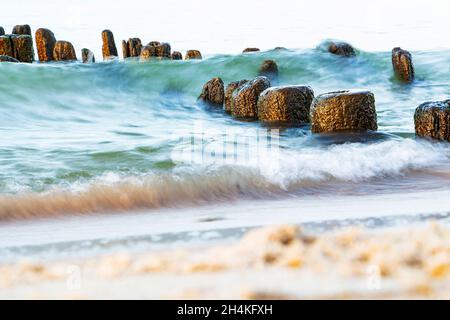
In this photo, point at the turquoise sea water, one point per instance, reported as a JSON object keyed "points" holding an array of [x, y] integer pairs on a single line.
{"points": [[101, 137]]}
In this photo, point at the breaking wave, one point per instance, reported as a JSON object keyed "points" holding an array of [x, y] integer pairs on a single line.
{"points": [[99, 138], [309, 170]]}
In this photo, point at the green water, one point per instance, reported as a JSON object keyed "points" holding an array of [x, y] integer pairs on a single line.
{"points": [[71, 126]]}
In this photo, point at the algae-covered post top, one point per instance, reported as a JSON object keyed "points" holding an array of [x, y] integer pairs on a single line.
{"points": [[109, 48]]}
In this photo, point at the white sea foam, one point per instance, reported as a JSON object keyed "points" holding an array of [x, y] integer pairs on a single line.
{"points": [[356, 162], [192, 185]]}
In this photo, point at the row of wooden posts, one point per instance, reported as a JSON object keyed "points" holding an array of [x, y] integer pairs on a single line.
{"points": [[345, 110], [254, 99], [18, 47]]}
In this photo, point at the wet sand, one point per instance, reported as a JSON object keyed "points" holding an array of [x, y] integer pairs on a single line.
{"points": [[271, 262]]}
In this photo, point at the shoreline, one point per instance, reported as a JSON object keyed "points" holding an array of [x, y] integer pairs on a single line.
{"points": [[136, 232]]}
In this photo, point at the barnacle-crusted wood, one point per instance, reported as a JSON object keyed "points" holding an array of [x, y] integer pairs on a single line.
{"points": [[245, 100], [344, 110], [287, 104], [6, 48], [269, 69], [109, 49], [147, 52], [163, 50], [160, 51], [87, 56], [19, 47], [176, 55], [193, 54], [64, 51], [131, 48], [23, 29], [247, 50], [7, 59], [135, 47], [45, 43], [341, 49], [432, 119], [213, 92], [22, 48], [154, 43], [230, 89], [402, 64], [125, 51]]}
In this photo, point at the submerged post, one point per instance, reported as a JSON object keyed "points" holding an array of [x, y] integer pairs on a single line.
{"points": [[402, 65]]}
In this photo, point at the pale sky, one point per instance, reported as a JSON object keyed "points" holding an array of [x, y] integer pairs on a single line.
{"points": [[229, 26]]}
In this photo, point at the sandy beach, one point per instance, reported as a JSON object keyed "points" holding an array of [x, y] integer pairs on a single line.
{"points": [[279, 262]]}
